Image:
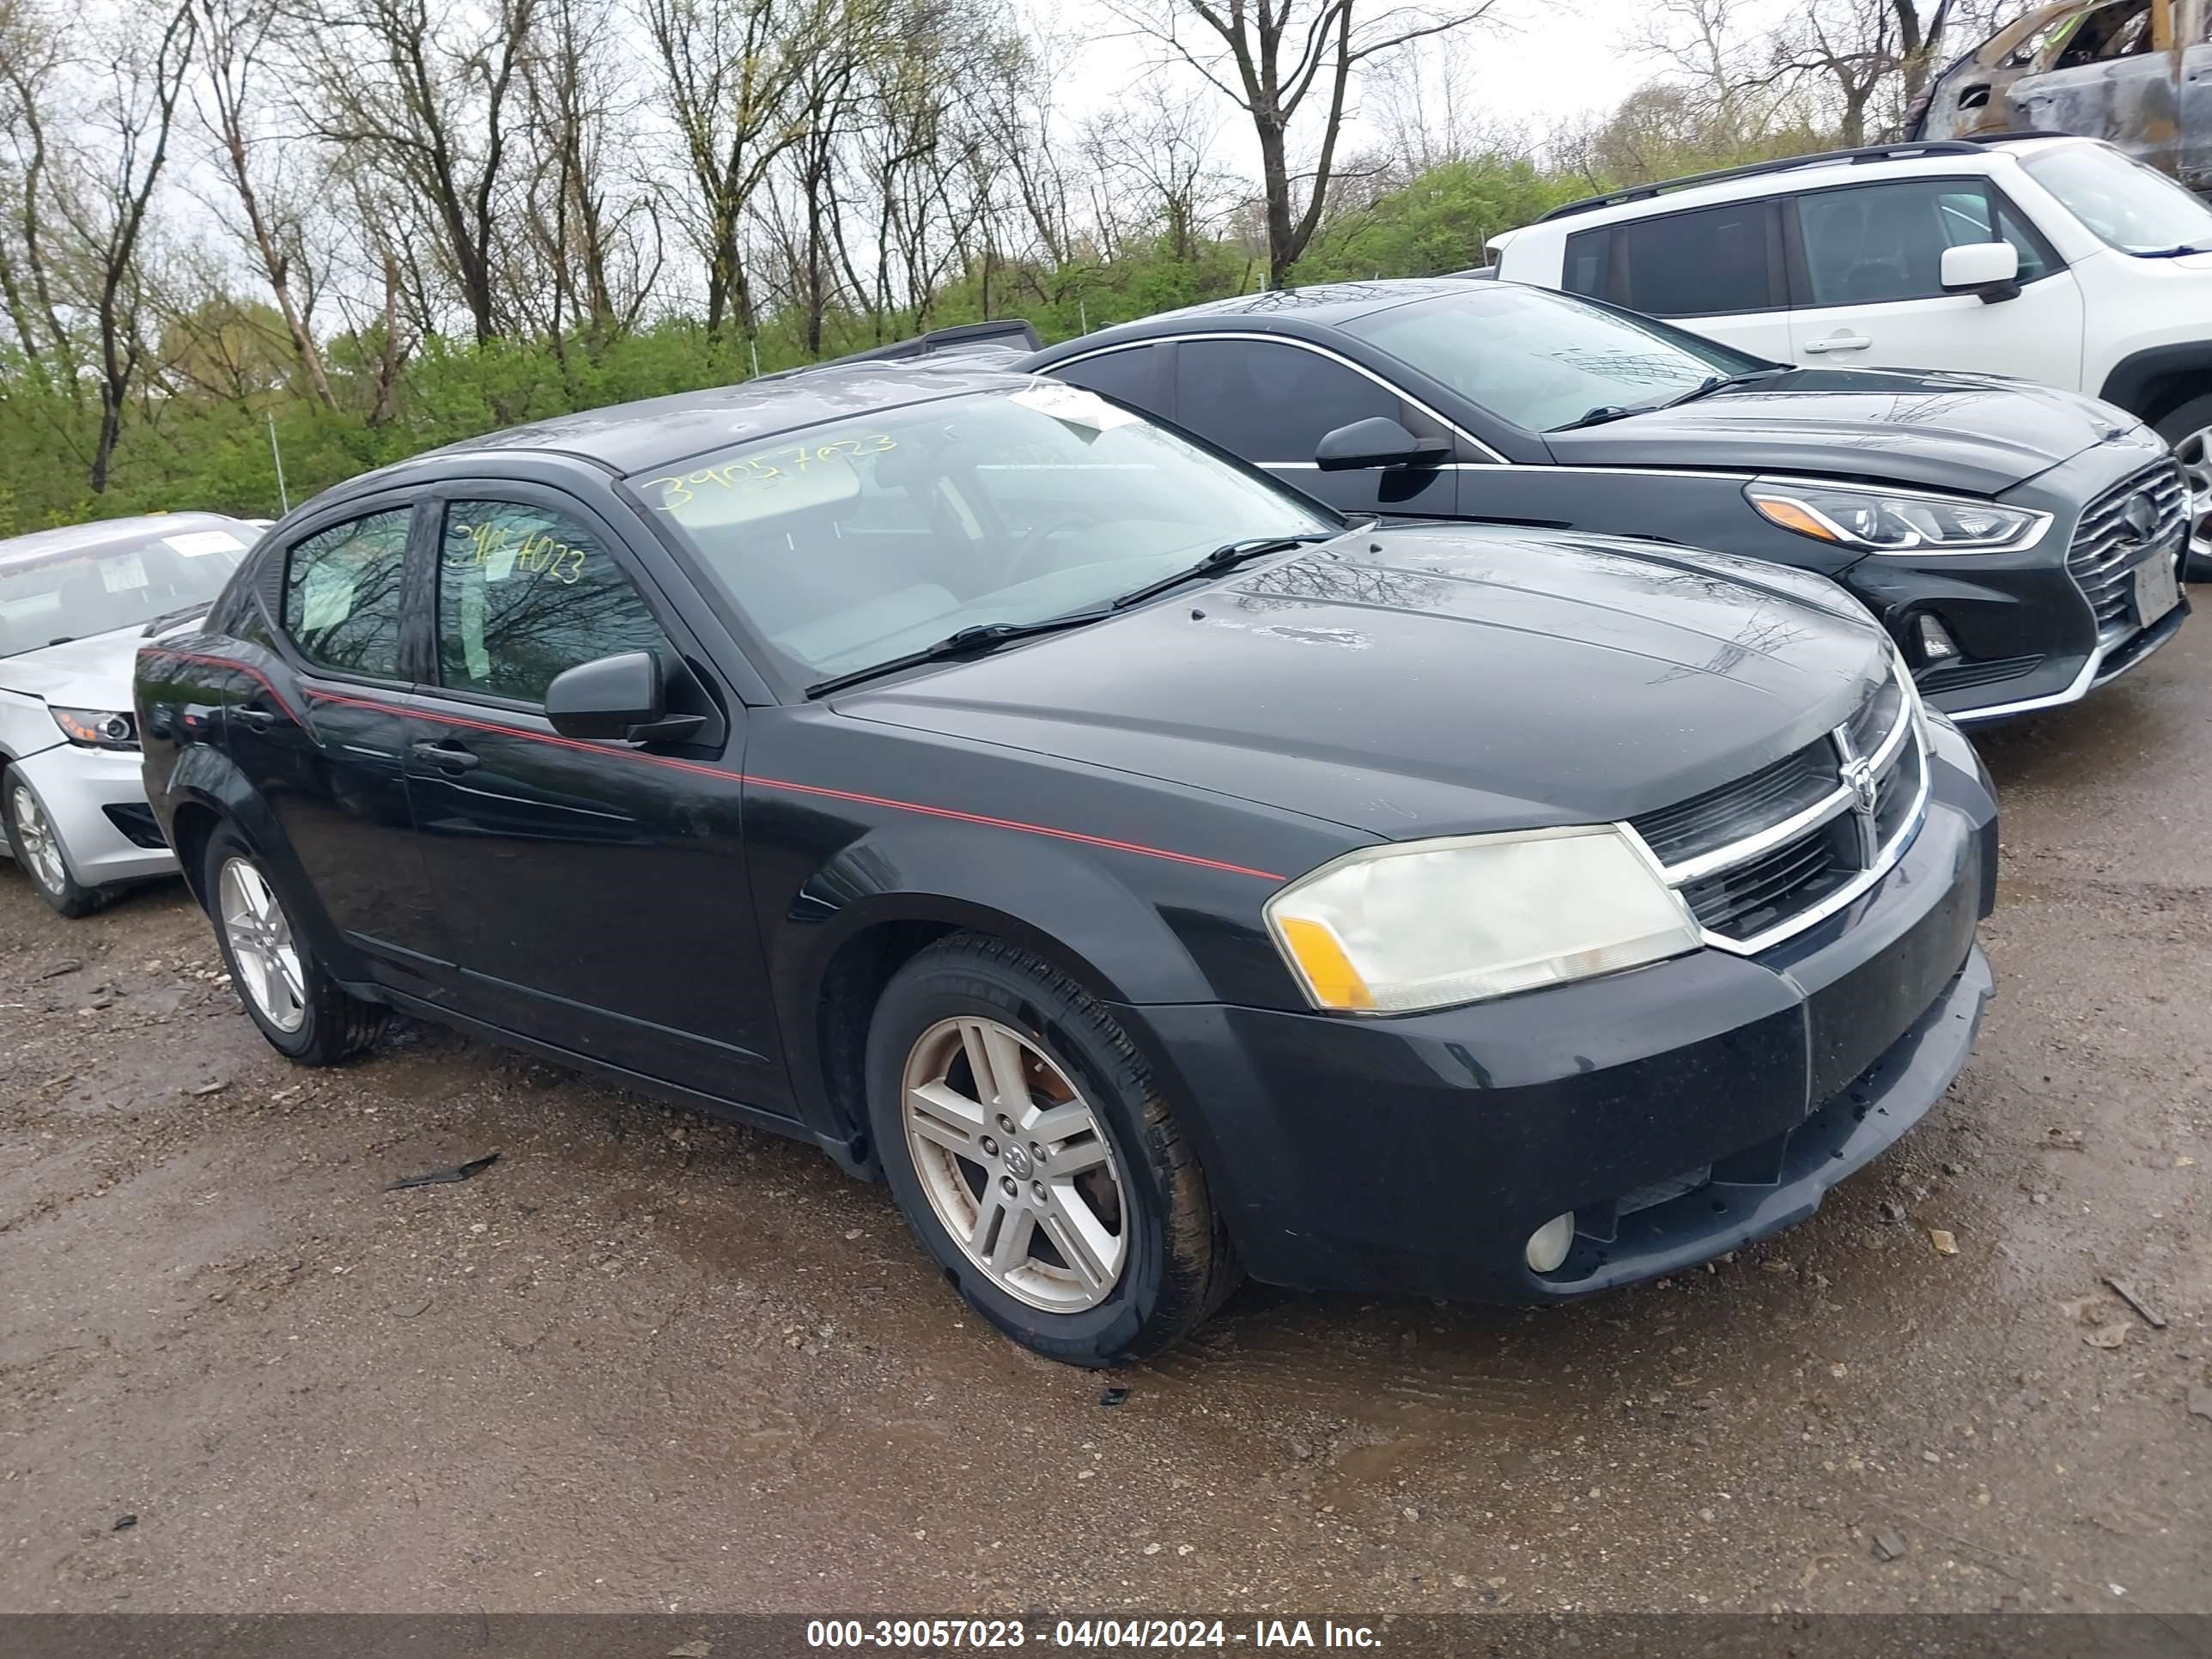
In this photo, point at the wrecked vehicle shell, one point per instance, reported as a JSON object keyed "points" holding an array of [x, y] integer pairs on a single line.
{"points": [[2138, 73]]}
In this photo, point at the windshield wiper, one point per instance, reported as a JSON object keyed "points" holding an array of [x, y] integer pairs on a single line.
{"points": [[178, 614], [1713, 383], [983, 636], [1222, 558], [2174, 253], [1705, 387]]}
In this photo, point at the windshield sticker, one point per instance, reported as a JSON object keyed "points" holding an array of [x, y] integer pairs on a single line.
{"points": [[765, 485], [198, 543], [123, 575], [1073, 404]]}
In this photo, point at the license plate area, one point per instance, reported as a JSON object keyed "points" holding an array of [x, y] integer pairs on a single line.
{"points": [[2158, 589]]}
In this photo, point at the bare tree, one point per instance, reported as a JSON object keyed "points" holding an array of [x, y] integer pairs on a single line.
{"points": [[425, 95], [31, 61], [129, 125], [235, 36], [1268, 57], [728, 74]]}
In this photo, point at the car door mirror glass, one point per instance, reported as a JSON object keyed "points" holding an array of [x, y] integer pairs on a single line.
{"points": [[1377, 441], [1989, 268], [618, 697]]}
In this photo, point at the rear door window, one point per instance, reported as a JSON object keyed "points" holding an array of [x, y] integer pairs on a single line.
{"points": [[1708, 262], [341, 594]]}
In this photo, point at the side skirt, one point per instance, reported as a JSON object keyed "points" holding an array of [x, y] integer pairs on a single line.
{"points": [[848, 1156]]}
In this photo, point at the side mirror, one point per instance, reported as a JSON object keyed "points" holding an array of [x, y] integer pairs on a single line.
{"points": [[623, 696], [1377, 441], [1989, 268]]}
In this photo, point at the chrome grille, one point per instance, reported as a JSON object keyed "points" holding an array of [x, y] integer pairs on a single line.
{"points": [[2107, 548], [1767, 855], [1721, 817]]}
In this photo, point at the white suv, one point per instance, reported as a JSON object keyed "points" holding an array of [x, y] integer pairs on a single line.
{"points": [[2049, 257]]}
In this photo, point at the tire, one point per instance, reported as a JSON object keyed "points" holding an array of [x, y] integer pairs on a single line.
{"points": [[2188, 429], [1095, 1139], [39, 853], [307, 1015]]}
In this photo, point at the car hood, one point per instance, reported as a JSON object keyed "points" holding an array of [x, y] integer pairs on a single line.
{"points": [[1432, 680], [93, 672], [1967, 432]]}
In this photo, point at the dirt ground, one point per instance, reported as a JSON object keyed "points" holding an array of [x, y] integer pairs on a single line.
{"points": [[648, 1362]]}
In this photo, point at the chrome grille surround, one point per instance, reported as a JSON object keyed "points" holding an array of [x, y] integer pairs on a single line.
{"points": [[1760, 886], [2107, 549]]}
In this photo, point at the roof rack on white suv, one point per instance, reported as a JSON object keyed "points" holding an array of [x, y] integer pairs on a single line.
{"points": [[2044, 256]]}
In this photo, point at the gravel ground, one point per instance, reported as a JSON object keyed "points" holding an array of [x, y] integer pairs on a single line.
{"points": [[649, 1363]]}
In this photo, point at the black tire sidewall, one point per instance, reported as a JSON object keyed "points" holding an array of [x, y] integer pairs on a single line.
{"points": [[2180, 421], [222, 846], [937, 988]]}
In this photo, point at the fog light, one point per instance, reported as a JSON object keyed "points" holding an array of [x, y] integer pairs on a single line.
{"points": [[1549, 1243], [1933, 638]]}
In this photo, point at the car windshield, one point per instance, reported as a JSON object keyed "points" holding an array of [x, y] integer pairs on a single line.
{"points": [[123, 582], [1540, 360], [2125, 204], [857, 541]]}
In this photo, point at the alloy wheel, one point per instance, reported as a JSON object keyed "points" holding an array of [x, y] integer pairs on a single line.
{"points": [[1015, 1163], [42, 849], [261, 944], [2194, 452]]}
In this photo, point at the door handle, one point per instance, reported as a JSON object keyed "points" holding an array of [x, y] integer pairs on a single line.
{"points": [[1838, 342], [253, 720], [446, 754]]}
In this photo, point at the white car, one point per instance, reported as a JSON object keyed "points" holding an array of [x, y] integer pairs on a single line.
{"points": [[74, 605], [2051, 258]]}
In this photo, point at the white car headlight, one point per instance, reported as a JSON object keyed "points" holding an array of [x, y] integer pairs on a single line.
{"points": [[1883, 521], [1428, 924], [98, 728]]}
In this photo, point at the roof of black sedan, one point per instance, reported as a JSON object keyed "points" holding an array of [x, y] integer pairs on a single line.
{"points": [[659, 431], [1325, 303]]}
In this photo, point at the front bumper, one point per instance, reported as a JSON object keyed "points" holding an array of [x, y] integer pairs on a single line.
{"points": [[95, 798], [1679, 1110], [2030, 637]]}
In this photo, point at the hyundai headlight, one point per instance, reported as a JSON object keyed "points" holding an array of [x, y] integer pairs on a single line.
{"points": [[1428, 924], [98, 728], [1882, 521]]}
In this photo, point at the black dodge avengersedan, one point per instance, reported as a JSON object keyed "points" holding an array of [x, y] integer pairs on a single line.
{"points": [[1154, 876], [2022, 545]]}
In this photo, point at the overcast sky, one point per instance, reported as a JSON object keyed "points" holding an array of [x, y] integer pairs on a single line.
{"points": [[1553, 60]]}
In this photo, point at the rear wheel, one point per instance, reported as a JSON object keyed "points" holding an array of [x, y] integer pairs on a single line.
{"points": [[38, 848], [1034, 1157], [2188, 429], [307, 1015]]}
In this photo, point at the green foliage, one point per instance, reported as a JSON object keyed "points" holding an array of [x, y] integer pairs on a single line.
{"points": [[204, 441]]}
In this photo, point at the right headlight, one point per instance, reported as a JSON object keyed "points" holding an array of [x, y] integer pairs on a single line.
{"points": [[1428, 924], [1884, 521]]}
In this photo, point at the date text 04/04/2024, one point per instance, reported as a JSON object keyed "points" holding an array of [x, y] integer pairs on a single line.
{"points": [[956, 1633]]}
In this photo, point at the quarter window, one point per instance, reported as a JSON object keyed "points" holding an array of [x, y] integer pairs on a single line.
{"points": [[1705, 262], [342, 595], [1270, 402], [526, 592], [1878, 243]]}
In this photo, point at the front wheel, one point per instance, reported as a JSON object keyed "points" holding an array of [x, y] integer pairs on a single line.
{"points": [[307, 1015], [2189, 430], [38, 848], [1036, 1159]]}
